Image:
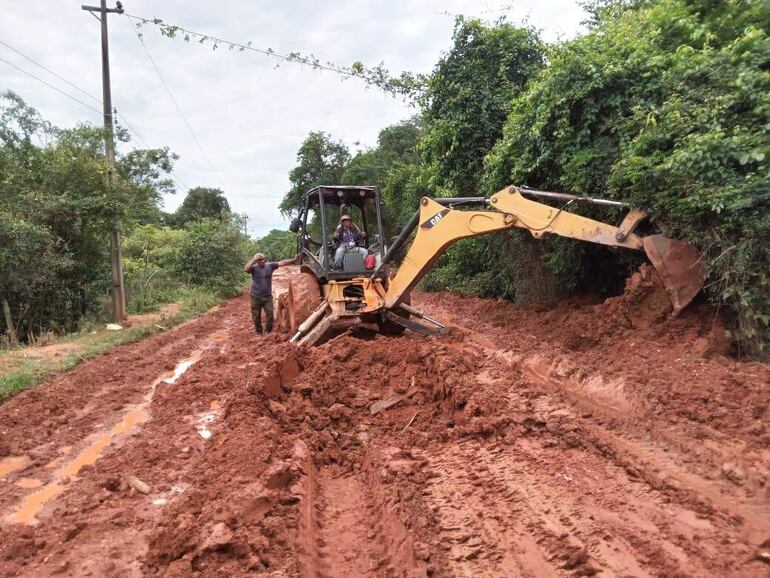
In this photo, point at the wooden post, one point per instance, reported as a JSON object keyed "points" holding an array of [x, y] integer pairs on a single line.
{"points": [[116, 257], [9, 323]]}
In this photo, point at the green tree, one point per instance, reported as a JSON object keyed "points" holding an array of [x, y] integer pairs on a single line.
{"points": [[468, 95], [277, 245], [396, 144], [663, 104], [463, 114], [201, 203], [152, 248], [57, 213], [399, 141], [212, 255], [147, 171], [320, 161]]}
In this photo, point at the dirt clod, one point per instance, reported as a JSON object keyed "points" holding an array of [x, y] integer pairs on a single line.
{"points": [[137, 484], [216, 537], [278, 476]]}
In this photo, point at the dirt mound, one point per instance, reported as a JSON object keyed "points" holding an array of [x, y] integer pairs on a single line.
{"points": [[644, 301]]}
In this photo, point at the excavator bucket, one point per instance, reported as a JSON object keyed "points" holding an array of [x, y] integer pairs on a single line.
{"points": [[680, 268]]}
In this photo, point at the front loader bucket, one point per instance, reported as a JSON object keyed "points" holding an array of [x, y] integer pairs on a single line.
{"points": [[679, 265]]}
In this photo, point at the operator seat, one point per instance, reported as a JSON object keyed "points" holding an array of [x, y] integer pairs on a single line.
{"points": [[353, 262]]}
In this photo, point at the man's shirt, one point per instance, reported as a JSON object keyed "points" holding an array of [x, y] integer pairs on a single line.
{"points": [[262, 279]]}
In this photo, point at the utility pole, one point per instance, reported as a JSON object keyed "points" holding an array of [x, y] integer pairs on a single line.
{"points": [[245, 224], [118, 288]]}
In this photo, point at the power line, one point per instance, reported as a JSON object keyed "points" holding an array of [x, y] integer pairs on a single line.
{"points": [[406, 84], [76, 87], [309, 60], [176, 104], [49, 85], [51, 72]]}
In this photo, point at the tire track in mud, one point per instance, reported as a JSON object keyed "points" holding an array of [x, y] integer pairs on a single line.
{"points": [[513, 514], [348, 544], [664, 517], [479, 535]]}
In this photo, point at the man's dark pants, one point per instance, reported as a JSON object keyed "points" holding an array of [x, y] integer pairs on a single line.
{"points": [[258, 303]]}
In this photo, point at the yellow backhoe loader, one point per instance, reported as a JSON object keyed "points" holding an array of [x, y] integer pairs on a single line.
{"points": [[340, 281]]}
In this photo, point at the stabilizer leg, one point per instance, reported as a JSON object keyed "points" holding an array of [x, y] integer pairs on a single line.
{"points": [[317, 332], [413, 325]]}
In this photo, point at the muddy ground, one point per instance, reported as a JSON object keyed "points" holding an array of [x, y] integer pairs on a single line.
{"points": [[577, 440]]}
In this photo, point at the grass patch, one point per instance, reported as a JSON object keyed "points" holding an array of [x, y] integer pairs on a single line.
{"points": [[24, 373]]}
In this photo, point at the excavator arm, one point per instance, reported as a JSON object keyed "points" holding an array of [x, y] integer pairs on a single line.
{"points": [[441, 223]]}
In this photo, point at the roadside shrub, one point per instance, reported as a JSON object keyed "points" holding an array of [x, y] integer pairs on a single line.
{"points": [[664, 105], [212, 254]]}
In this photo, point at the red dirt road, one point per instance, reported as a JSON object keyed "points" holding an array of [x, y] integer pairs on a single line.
{"points": [[582, 440]]}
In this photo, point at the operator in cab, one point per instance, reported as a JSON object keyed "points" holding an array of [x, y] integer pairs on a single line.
{"points": [[261, 272], [350, 238]]}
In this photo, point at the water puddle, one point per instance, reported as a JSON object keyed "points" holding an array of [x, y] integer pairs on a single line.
{"points": [[28, 483], [63, 451], [134, 416], [221, 338], [11, 464], [181, 368], [204, 419]]}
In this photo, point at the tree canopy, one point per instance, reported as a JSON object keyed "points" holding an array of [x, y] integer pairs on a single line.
{"points": [[320, 161], [468, 95], [201, 203], [665, 105], [661, 103], [57, 212]]}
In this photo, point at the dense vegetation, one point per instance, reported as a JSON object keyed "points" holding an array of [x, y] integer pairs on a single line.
{"points": [[662, 103], [56, 212]]}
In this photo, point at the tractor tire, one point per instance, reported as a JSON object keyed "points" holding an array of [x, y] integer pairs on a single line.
{"points": [[304, 298]]}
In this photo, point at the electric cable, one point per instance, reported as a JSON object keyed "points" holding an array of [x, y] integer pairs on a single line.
{"points": [[176, 104], [76, 87], [310, 61], [49, 85]]}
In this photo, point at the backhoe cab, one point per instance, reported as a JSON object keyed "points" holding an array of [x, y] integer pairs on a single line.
{"points": [[360, 287], [337, 280], [320, 217]]}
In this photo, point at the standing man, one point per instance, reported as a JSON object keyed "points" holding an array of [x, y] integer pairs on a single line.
{"points": [[262, 289]]}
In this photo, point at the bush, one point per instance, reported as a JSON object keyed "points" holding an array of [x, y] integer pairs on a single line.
{"points": [[277, 245], [212, 255], [664, 106]]}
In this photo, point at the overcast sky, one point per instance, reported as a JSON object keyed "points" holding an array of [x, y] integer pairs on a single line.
{"points": [[249, 116]]}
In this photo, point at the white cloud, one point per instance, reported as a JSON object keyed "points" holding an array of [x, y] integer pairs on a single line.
{"points": [[249, 116]]}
